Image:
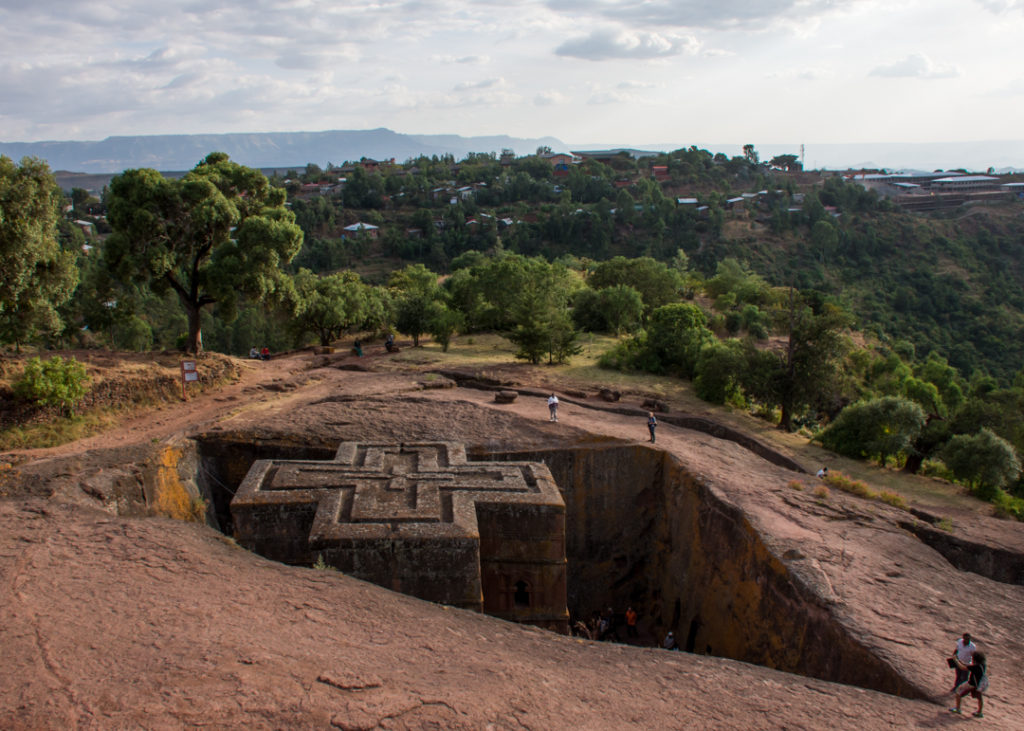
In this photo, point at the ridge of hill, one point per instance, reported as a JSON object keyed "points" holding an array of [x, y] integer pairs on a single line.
{"points": [[259, 149]]}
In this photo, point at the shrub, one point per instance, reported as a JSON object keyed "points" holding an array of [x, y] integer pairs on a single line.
{"points": [[321, 565], [878, 428], [719, 368], [54, 382], [821, 492], [855, 487], [893, 499], [1008, 506], [984, 461], [795, 485]]}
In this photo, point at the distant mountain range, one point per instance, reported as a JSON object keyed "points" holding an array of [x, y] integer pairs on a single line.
{"points": [[260, 149], [295, 149]]}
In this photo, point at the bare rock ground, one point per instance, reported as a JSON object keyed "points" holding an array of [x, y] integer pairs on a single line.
{"points": [[119, 622]]}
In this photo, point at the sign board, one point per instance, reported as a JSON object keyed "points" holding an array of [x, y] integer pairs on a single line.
{"points": [[188, 375]]}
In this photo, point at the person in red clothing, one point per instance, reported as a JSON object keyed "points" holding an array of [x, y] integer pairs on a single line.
{"points": [[265, 353]]}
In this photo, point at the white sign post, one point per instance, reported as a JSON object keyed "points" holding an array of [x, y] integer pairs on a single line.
{"points": [[188, 374]]}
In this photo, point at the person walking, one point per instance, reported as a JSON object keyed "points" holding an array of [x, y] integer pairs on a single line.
{"points": [[976, 683], [553, 407], [961, 658], [652, 424]]}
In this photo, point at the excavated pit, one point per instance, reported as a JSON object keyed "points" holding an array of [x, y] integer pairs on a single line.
{"points": [[643, 532]]}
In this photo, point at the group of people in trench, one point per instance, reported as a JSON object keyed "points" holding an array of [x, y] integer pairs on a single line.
{"points": [[607, 626]]}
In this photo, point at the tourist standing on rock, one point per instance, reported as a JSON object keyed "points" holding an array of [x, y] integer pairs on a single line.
{"points": [[961, 659], [976, 683], [553, 407], [652, 424]]}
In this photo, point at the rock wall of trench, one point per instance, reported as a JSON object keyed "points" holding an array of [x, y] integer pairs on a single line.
{"points": [[642, 531], [225, 459]]}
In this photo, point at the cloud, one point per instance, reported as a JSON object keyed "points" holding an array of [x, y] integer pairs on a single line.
{"points": [[549, 98], [916, 66], [297, 61], [1001, 6], [471, 60], [602, 45], [699, 13], [484, 84], [1014, 88], [631, 85]]}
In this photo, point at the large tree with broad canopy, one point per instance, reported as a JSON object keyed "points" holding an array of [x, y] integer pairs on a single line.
{"points": [[218, 232]]}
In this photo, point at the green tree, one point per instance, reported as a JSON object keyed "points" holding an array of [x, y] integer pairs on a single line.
{"points": [[219, 231], [330, 305], [622, 306], [982, 460], [616, 309], [444, 325], [824, 240], [719, 370], [735, 278], [675, 336], [416, 300], [36, 276], [786, 162], [414, 313], [808, 370], [657, 283], [877, 429], [540, 313]]}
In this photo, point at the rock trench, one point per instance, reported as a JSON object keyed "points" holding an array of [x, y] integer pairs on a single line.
{"points": [[642, 531]]}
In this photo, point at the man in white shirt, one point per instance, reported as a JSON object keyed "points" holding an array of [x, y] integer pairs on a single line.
{"points": [[553, 407], [964, 652]]}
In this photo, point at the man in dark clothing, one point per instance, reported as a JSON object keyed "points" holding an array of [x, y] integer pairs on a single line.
{"points": [[652, 424], [976, 683]]}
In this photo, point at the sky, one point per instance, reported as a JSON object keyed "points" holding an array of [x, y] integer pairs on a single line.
{"points": [[638, 72]]}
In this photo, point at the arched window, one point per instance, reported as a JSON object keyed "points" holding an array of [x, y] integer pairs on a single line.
{"points": [[522, 596]]}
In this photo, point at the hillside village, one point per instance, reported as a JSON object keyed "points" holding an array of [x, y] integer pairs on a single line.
{"points": [[401, 186]]}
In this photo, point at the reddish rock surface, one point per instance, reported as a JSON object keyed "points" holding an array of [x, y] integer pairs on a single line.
{"points": [[115, 622]]}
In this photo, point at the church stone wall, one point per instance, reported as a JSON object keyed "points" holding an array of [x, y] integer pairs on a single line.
{"points": [[419, 519]]}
